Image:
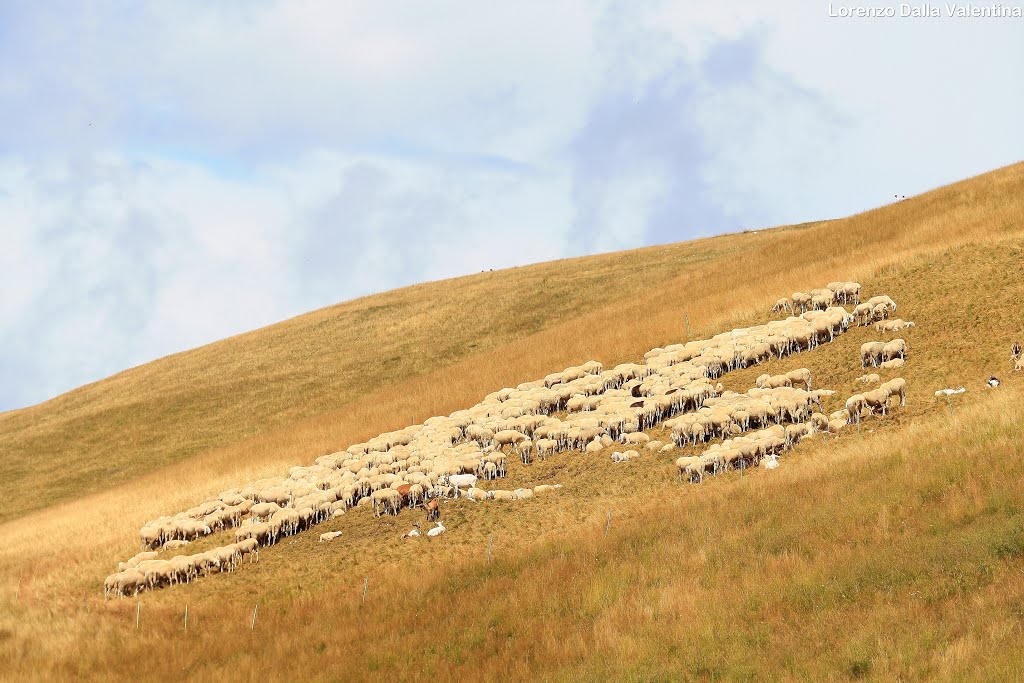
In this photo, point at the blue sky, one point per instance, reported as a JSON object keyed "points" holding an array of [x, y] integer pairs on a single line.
{"points": [[173, 173]]}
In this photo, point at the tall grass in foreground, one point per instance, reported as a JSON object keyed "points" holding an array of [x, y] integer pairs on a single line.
{"points": [[898, 558]]}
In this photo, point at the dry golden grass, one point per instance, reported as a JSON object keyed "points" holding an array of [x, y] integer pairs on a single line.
{"points": [[733, 579]]}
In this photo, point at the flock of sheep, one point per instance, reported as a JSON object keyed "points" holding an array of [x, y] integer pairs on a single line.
{"points": [[819, 299], [584, 408], [775, 402]]}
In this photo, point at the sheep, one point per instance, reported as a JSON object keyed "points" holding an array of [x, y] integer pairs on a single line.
{"points": [[712, 462], [173, 545], [854, 406], [773, 381], [897, 387], [688, 465], [624, 457], [438, 530], [873, 378], [329, 536], [800, 376], [263, 511], [782, 305], [822, 301], [543, 488], [250, 547], [482, 435], [156, 572], [122, 582], [508, 437], [884, 301], [876, 399], [897, 348], [836, 426], [1018, 364], [893, 325], [476, 494], [546, 447], [816, 396], [152, 536], [259, 531], [796, 432], [525, 450], [892, 364], [278, 495], [110, 584], [871, 352], [490, 470], [140, 557], [502, 495], [385, 501], [462, 481], [522, 494], [635, 438], [847, 292], [287, 520]]}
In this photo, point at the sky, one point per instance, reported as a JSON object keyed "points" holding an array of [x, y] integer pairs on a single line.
{"points": [[175, 173]]}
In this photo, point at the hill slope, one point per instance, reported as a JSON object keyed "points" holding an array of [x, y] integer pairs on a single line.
{"points": [[723, 579]]}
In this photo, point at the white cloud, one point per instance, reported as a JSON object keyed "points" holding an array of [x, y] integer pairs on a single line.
{"points": [[141, 260]]}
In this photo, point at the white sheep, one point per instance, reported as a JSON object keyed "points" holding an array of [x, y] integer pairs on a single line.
{"points": [[897, 348], [871, 352]]}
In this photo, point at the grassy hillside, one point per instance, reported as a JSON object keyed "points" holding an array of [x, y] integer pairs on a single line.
{"points": [[714, 581]]}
